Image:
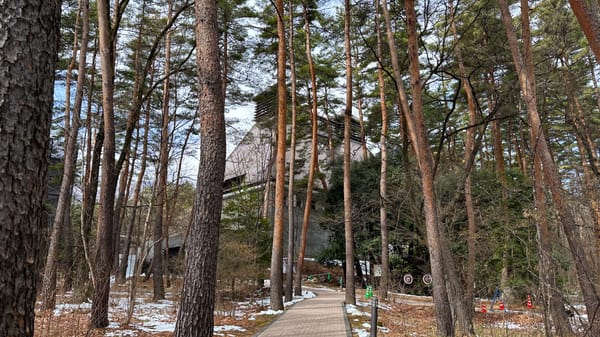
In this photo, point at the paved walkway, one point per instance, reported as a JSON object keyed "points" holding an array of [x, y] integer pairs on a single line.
{"points": [[322, 316]]}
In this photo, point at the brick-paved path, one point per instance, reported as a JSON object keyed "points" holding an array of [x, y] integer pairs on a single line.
{"points": [[322, 316]]}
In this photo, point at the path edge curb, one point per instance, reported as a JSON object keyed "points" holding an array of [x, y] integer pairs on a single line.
{"points": [[346, 320]]}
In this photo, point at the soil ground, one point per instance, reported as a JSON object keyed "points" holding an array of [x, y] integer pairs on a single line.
{"points": [[398, 316]]}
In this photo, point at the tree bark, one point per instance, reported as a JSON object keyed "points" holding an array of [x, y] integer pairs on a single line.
{"points": [[587, 150], [289, 280], [123, 264], [160, 234], [418, 135], [550, 294], [168, 143], [464, 311], [587, 13], [499, 166], [524, 65], [66, 264], [104, 245], [314, 151], [48, 293], [384, 286], [348, 233], [84, 271], [29, 35], [195, 315], [277, 249], [119, 212], [68, 248]]}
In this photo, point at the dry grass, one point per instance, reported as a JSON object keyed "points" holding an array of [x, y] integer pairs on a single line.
{"points": [[75, 321], [410, 316], [401, 316]]}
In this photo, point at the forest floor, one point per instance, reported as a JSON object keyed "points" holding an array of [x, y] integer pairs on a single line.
{"points": [[400, 316]]}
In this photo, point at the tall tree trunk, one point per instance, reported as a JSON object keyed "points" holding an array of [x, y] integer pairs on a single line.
{"points": [[465, 317], [84, 271], [553, 304], [524, 65], [590, 186], [28, 54], [348, 233], [104, 249], [277, 249], [267, 192], [499, 166], [330, 145], [418, 134], [119, 213], [160, 240], [384, 286], [48, 293], [141, 252], [81, 284], [66, 264], [123, 264], [314, 150], [588, 15], [68, 248], [196, 310], [165, 148], [359, 107], [289, 277], [587, 150]]}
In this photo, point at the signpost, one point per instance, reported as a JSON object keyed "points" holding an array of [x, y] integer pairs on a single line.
{"points": [[374, 306]]}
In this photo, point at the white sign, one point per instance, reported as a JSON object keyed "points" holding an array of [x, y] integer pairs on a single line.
{"points": [[408, 279], [377, 270], [427, 279]]}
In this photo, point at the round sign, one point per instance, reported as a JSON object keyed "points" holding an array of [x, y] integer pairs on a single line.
{"points": [[408, 278], [427, 279]]}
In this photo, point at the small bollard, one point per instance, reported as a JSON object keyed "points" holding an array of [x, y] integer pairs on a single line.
{"points": [[369, 292], [374, 306]]}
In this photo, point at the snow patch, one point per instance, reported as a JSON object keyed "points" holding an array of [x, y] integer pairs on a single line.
{"points": [[361, 332], [121, 333], [228, 328], [68, 308], [269, 312], [354, 311]]}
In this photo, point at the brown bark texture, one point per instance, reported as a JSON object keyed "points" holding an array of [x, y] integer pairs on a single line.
{"points": [[48, 294], [385, 282], [587, 13], [418, 134], [289, 280], [314, 150], [29, 34], [277, 249], [348, 233], [553, 305], [465, 317], [124, 261], [524, 66], [195, 315], [103, 259]]}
